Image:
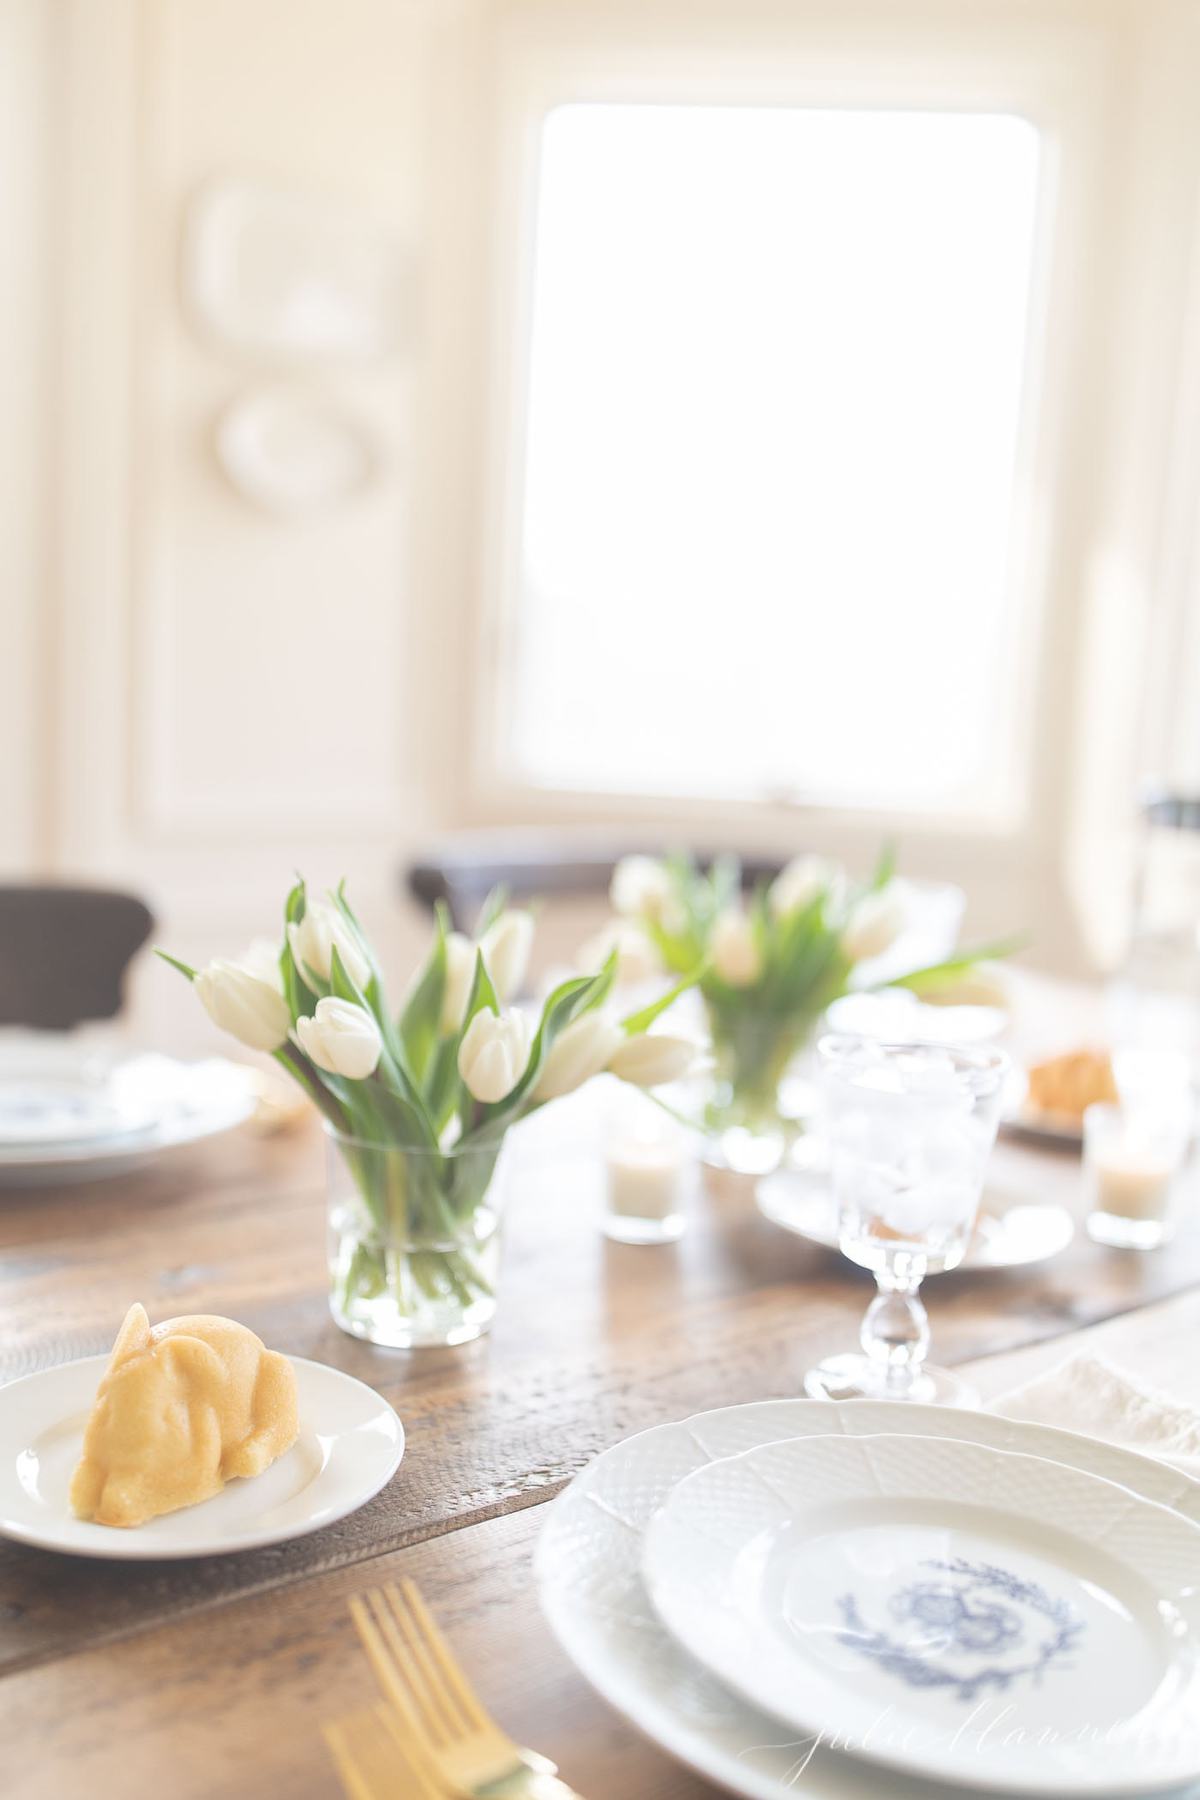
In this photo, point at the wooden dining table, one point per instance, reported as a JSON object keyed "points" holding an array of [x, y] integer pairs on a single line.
{"points": [[211, 1678]]}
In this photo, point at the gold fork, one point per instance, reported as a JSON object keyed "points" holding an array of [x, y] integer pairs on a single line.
{"points": [[373, 1763], [436, 1711]]}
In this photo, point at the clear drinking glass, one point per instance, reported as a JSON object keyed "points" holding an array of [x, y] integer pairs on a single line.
{"points": [[910, 1130]]}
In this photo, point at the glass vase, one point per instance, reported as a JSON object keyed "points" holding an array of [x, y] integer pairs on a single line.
{"points": [[748, 1126], [414, 1241]]}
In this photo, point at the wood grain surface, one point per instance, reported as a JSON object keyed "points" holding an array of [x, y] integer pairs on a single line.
{"points": [[213, 1672], [227, 1701]]}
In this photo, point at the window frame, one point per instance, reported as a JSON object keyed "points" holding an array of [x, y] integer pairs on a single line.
{"points": [[1062, 71]]}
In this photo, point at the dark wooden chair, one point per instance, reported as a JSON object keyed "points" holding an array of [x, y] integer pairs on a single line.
{"points": [[64, 952], [547, 866]]}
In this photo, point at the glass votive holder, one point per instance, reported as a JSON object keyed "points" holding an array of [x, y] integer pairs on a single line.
{"points": [[646, 1165], [1132, 1158]]}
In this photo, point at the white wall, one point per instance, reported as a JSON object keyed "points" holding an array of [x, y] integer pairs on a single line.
{"points": [[26, 298], [196, 696], [195, 699]]}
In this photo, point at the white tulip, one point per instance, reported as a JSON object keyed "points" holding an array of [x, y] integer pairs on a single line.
{"points": [[262, 959], [342, 1038], [875, 923], [580, 1052], [636, 960], [241, 1002], [506, 945], [493, 1053], [652, 1057], [460, 970], [314, 939], [736, 957], [799, 883], [641, 888]]}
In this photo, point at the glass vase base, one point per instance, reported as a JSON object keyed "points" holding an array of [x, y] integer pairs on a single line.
{"points": [[623, 1228], [381, 1324], [744, 1152], [1117, 1232], [854, 1377]]}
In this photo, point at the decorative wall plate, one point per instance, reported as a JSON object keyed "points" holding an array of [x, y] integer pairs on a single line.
{"points": [[292, 451], [272, 271]]}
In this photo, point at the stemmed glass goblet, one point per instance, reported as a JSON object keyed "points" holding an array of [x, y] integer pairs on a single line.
{"points": [[910, 1129]]}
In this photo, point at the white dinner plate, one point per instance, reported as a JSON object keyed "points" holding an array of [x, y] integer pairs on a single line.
{"points": [[39, 1112], [176, 1103], [1007, 1235], [591, 1592], [971, 1614], [350, 1445]]}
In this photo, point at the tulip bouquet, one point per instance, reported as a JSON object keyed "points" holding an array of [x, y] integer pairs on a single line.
{"points": [[418, 1103], [772, 964]]}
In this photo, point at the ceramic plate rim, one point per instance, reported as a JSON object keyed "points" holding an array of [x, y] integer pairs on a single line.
{"points": [[1096, 1785], [127, 1546], [174, 1129], [694, 1744], [972, 1263]]}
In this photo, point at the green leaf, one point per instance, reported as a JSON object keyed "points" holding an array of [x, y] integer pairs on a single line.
{"points": [[482, 994], [301, 999], [885, 868], [443, 1085], [391, 1075], [184, 968], [944, 974], [725, 884], [374, 995], [306, 1074], [421, 1018], [491, 909], [296, 904], [364, 943], [642, 1020]]}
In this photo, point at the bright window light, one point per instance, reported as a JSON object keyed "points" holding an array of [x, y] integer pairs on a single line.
{"points": [[775, 390]]}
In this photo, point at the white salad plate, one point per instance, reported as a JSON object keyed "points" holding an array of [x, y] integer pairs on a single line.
{"points": [[971, 1614], [589, 1584], [350, 1445], [1007, 1234], [138, 1106]]}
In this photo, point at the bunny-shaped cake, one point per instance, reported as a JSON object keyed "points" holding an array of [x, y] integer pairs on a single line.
{"points": [[180, 1410]]}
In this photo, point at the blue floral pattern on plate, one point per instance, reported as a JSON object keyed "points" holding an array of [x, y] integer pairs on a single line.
{"points": [[956, 1626]]}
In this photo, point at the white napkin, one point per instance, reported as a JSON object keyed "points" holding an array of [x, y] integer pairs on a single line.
{"points": [[1087, 1394]]}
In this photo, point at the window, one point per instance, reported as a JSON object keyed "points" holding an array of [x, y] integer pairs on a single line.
{"points": [[767, 541]]}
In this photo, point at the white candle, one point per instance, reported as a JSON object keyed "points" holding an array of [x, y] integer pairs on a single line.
{"points": [[644, 1180], [1132, 1184]]}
